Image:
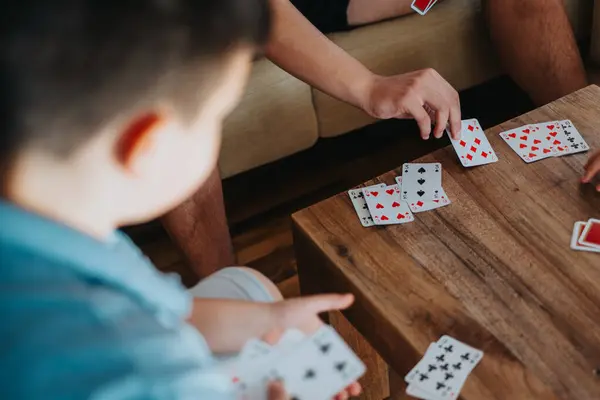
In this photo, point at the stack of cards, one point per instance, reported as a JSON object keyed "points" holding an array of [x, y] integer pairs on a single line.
{"points": [[586, 236], [316, 367], [423, 6], [418, 190], [473, 148], [548, 139], [442, 372]]}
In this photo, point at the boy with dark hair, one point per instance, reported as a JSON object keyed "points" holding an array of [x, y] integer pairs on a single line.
{"points": [[113, 110]]}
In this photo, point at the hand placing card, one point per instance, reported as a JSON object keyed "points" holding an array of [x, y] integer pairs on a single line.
{"points": [[543, 140], [317, 367], [443, 371]]}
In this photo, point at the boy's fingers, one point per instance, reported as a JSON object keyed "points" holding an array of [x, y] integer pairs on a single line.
{"points": [[277, 392], [328, 302], [591, 168]]}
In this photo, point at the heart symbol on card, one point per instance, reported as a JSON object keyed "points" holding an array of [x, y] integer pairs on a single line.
{"points": [[395, 204], [522, 146], [553, 134], [550, 127], [390, 191], [534, 148], [523, 138], [546, 151], [400, 216], [384, 218], [532, 155], [527, 131], [375, 194], [556, 142], [379, 206], [512, 135], [537, 141]]}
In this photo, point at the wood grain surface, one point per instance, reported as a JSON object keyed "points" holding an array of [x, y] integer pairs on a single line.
{"points": [[494, 269]]}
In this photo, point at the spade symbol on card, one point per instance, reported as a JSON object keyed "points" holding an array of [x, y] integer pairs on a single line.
{"points": [[340, 367], [421, 181], [422, 170], [421, 193]]}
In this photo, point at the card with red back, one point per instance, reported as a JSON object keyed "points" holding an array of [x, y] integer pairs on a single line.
{"points": [[422, 6], [591, 234], [577, 231]]}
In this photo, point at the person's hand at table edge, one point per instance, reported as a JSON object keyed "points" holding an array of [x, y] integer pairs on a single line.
{"points": [[592, 169]]}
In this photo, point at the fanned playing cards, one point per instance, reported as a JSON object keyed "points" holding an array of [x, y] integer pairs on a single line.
{"points": [[544, 140]]}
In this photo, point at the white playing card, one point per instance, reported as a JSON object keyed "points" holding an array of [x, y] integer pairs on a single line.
{"points": [[422, 206], [360, 206], [385, 205], [529, 143], [574, 140], [473, 148], [421, 182], [320, 368], [554, 135]]}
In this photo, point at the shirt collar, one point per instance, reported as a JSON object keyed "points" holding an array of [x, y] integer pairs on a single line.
{"points": [[118, 263]]}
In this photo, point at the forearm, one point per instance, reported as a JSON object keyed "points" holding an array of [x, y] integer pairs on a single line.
{"points": [[299, 48], [228, 324]]}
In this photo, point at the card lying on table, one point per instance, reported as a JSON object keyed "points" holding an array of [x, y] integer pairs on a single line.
{"points": [[421, 182], [473, 148], [578, 229], [443, 371], [360, 206], [386, 207], [590, 235], [419, 206], [423, 6]]}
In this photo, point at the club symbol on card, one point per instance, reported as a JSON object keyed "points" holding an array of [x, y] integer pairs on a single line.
{"points": [[449, 349], [441, 358], [340, 367], [444, 367], [423, 377], [440, 386], [457, 366], [310, 374], [466, 357], [325, 348], [448, 375]]}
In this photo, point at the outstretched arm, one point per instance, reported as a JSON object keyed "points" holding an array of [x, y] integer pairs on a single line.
{"points": [[299, 48]]}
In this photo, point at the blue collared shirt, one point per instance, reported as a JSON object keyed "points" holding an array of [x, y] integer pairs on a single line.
{"points": [[84, 319]]}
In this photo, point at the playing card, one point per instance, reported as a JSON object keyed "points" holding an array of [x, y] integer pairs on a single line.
{"points": [[253, 349], [529, 143], [473, 148], [577, 232], [554, 135], [385, 205], [360, 205], [575, 142], [590, 236], [422, 6], [422, 206], [320, 368], [421, 182], [445, 368]]}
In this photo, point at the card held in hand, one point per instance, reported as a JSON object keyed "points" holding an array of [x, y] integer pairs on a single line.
{"points": [[473, 148]]}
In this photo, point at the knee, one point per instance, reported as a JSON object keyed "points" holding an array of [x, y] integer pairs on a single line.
{"points": [[265, 282]]}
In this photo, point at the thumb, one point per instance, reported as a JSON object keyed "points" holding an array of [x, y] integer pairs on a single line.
{"points": [[277, 392]]}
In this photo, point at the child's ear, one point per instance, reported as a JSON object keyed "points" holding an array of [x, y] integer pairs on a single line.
{"points": [[138, 140]]}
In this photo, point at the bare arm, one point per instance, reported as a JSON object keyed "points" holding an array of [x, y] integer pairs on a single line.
{"points": [[299, 48]]}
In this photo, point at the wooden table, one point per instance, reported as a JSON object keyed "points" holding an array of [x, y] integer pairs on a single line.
{"points": [[494, 269]]}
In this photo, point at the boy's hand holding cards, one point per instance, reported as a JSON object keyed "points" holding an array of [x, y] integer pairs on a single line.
{"points": [[473, 147], [316, 368]]}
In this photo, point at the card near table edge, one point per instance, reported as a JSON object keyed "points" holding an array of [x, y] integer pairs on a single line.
{"points": [[591, 231], [421, 6], [577, 231]]}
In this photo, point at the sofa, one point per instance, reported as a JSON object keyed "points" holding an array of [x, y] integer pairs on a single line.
{"points": [[280, 115]]}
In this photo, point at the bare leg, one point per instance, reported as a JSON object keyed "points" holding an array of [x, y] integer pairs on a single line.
{"points": [[199, 227], [535, 42], [362, 12]]}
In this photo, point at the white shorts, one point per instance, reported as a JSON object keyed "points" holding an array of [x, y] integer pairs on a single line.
{"points": [[234, 284]]}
